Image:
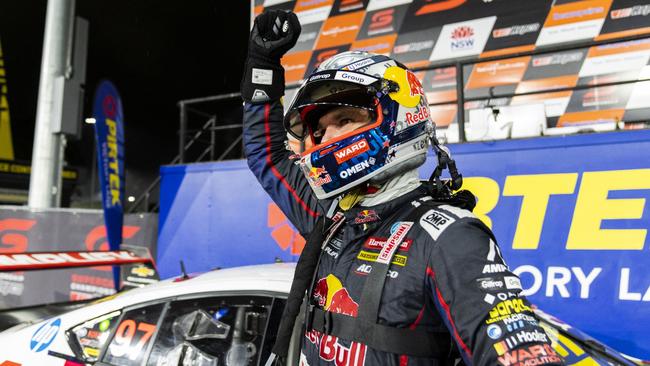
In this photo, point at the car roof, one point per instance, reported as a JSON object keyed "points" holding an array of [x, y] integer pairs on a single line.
{"points": [[257, 279], [271, 277]]}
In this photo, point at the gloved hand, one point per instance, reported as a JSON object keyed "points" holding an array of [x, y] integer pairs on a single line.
{"points": [[274, 33]]}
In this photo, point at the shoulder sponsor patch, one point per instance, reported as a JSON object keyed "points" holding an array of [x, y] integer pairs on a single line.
{"points": [[435, 222]]}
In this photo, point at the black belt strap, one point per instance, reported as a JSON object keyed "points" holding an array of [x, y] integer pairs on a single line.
{"points": [[303, 278], [304, 269], [412, 342]]}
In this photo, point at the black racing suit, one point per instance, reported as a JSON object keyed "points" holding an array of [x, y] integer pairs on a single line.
{"points": [[448, 274]]}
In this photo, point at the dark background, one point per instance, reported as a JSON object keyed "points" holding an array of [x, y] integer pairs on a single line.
{"points": [[155, 52]]}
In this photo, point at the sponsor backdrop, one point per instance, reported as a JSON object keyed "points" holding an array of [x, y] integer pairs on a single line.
{"points": [[22, 230], [571, 215], [423, 33]]}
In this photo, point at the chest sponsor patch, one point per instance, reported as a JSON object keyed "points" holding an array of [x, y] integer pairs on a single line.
{"points": [[365, 269], [331, 252], [398, 259], [394, 242], [377, 243], [435, 222], [366, 216]]}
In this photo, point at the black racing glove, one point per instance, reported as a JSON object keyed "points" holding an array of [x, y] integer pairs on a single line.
{"points": [[273, 34]]}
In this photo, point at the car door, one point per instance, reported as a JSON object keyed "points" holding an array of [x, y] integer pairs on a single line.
{"points": [[227, 329], [220, 330]]}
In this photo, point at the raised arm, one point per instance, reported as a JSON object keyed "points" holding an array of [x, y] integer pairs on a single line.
{"points": [[273, 34]]}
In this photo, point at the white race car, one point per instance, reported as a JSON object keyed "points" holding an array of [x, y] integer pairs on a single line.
{"points": [[223, 317]]}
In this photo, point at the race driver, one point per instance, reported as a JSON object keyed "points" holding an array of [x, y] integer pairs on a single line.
{"points": [[405, 276]]}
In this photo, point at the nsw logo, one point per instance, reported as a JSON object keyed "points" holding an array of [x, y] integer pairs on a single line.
{"points": [[462, 38], [44, 335]]}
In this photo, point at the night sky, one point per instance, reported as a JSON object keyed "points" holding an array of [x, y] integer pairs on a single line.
{"points": [[155, 52]]}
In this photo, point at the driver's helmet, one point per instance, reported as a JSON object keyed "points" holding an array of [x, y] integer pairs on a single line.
{"points": [[396, 140]]}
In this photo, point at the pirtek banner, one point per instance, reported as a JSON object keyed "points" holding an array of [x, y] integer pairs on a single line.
{"points": [[109, 131], [571, 215], [109, 134], [25, 231]]}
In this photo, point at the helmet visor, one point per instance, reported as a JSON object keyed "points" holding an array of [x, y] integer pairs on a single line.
{"points": [[320, 97]]}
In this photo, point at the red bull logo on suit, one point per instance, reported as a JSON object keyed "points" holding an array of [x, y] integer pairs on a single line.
{"points": [[332, 296]]}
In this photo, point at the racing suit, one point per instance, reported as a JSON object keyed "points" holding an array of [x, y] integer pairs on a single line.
{"points": [[446, 276]]}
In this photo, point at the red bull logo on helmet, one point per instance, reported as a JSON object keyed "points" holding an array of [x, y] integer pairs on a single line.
{"points": [[416, 88], [421, 115], [319, 176], [410, 89]]}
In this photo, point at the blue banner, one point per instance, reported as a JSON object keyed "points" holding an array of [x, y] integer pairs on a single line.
{"points": [[109, 134], [571, 215]]}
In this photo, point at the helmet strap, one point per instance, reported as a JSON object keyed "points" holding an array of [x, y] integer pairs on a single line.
{"points": [[445, 162]]}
